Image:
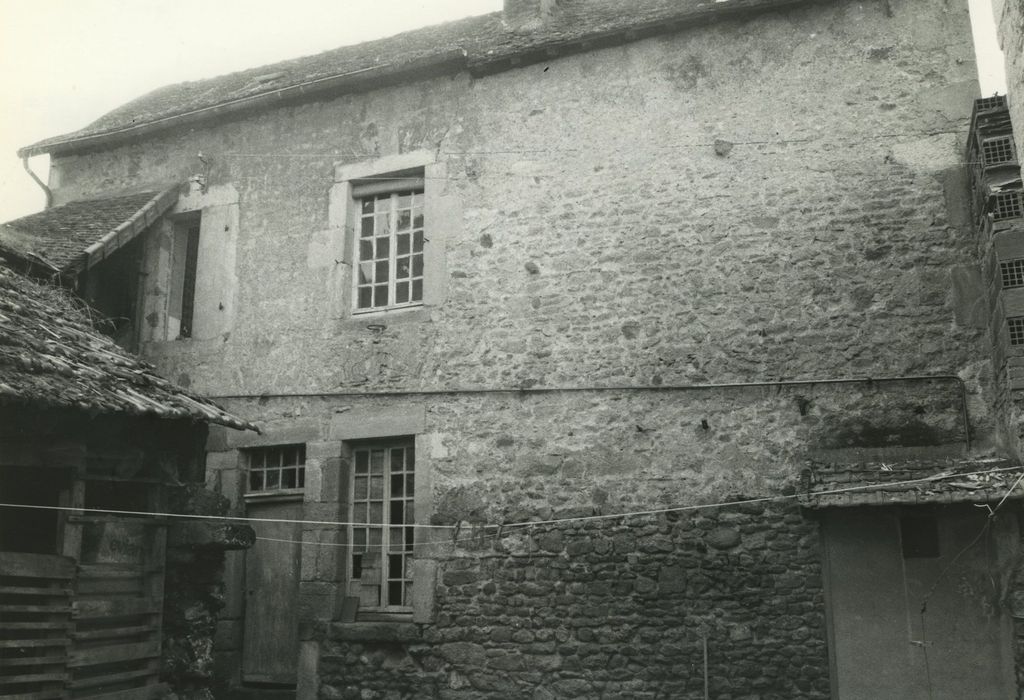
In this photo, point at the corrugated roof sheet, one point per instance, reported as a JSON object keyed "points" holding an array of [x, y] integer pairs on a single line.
{"points": [[481, 44], [62, 236], [50, 355], [910, 483]]}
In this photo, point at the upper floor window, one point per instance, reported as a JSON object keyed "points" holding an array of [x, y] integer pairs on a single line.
{"points": [[276, 468], [389, 249]]}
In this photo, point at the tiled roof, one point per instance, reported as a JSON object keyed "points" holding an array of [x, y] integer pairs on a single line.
{"points": [[910, 483], [481, 44], [51, 356], [74, 235]]}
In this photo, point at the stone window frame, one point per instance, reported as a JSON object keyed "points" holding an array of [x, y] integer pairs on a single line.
{"points": [[441, 213]]}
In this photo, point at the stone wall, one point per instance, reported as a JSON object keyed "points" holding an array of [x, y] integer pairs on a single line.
{"points": [[610, 609], [1009, 16]]}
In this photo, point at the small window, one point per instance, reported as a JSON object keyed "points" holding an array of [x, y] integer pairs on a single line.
{"points": [[1011, 272], [381, 508], [1016, 325], [1008, 205], [998, 150], [389, 244], [920, 536], [276, 468], [184, 261]]}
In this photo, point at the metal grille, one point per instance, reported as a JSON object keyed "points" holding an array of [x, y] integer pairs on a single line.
{"points": [[277, 468], [1012, 273], [997, 150], [1016, 330], [1008, 205]]}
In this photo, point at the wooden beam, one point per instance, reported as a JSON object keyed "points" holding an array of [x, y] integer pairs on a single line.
{"points": [[36, 566]]}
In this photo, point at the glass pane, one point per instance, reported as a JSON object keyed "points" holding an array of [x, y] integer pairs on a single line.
{"points": [[395, 566], [410, 515], [256, 481], [408, 568], [410, 484], [365, 298], [417, 220], [272, 479], [397, 459], [383, 248], [288, 478], [410, 457], [366, 249], [404, 220], [359, 513], [417, 241], [365, 273], [396, 484], [368, 206], [401, 292], [256, 459], [374, 540], [362, 462], [405, 200], [402, 268], [359, 538], [417, 290], [302, 477], [377, 515], [417, 265], [383, 221], [396, 515], [377, 461], [408, 591], [377, 487], [403, 244], [395, 592], [357, 565], [380, 296], [410, 538], [417, 199], [359, 488]]}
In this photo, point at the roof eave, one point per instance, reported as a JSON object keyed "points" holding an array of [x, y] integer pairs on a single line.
{"points": [[353, 81]]}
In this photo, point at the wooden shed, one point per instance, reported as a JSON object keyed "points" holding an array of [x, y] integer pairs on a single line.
{"points": [[91, 439]]}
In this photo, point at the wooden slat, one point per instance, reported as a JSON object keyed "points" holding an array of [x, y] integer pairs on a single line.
{"points": [[41, 625], [34, 590], [146, 692], [111, 678], [48, 566], [32, 661], [50, 609], [109, 585], [33, 678], [104, 571], [114, 608], [130, 631], [35, 695], [114, 654], [27, 643]]}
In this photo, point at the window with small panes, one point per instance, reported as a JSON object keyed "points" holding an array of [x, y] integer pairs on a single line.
{"points": [[276, 468], [381, 532]]}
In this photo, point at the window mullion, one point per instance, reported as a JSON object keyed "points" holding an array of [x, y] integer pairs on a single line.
{"points": [[392, 248]]}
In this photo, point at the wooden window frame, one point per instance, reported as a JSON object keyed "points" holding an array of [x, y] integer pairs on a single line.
{"points": [[280, 451]]}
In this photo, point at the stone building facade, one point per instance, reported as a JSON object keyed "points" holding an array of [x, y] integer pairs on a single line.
{"points": [[518, 301]]}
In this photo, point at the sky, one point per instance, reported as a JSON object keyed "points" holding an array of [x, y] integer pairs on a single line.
{"points": [[64, 63]]}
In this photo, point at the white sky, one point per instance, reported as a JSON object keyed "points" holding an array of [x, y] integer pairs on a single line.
{"points": [[63, 63]]}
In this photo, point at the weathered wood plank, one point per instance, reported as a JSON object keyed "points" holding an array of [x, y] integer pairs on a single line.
{"points": [[114, 608], [31, 643], [129, 631], [41, 625], [34, 590], [146, 692], [108, 571], [35, 678], [51, 660], [54, 609], [54, 694], [111, 678], [50, 566], [110, 585], [32, 453], [115, 653]]}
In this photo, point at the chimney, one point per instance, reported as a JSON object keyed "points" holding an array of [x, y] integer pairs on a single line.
{"points": [[527, 15]]}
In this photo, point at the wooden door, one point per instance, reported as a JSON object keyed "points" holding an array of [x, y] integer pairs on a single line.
{"points": [[272, 565], [882, 565]]}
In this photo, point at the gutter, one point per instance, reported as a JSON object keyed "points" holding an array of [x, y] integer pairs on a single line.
{"points": [[353, 81], [46, 190]]}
